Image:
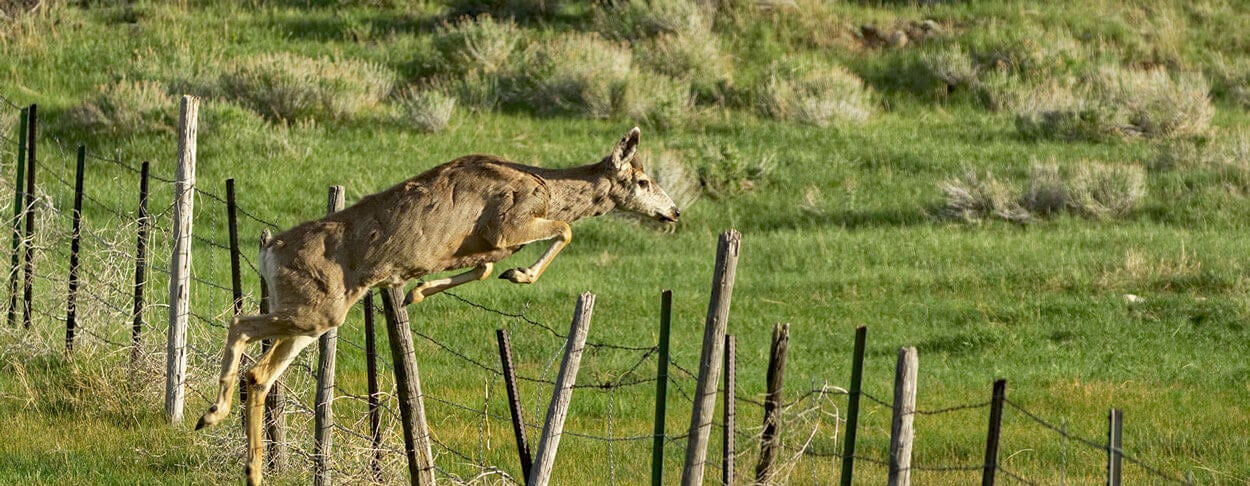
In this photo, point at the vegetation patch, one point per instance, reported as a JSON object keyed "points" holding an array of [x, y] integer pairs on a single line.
{"points": [[1091, 189], [973, 197], [125, 107], [480, 44], [814, 94], [576, 73], [427, 109], [288, 87]]}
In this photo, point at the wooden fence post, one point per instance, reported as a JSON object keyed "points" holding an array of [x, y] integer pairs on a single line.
{"points": [[180, 261], [408, 381], [661, 389], [141, 262], [514, 401], [995, 430], [553, 428], [1115, 446], [275, 404], [901, 431], [327, 346], [852, 407], [375, 395], [729, 440], [710, 360], [770, 441], [19, 196], [28, 290], [71, 304]]}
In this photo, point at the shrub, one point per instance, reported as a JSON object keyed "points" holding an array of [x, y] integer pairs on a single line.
{"points": [[724, 171], [1102, 191], [1230, 80], [972, 198], [575, 73], [655, 99], [285, 86], [815, 95], [1047, 193], [126, 106], [1001, 91], [1033, 53], [1057, 111], [428, 109], [481, 44], [694, 56], [521, 9], [638, 19], [951, 65]]}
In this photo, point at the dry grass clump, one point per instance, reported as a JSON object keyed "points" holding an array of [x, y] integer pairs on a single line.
{"points": [[694, 55], [521, 9], [951, 65], [427, 109], [289, 87], [972, 198], [574, 73], [126, 106], [725, 171], [1118, 103], [1047, 193], [1033, 52], [1230, 80], [816, 95], [1102, 190], [639, 19], [481, 44], [655, 99], [1227, 157]]}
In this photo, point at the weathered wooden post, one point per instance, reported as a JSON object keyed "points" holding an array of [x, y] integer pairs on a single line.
{"points": [[141, 262], [408, 381], [553, 428], [661, 389], [71, 304], [901, 431], [995, 430], [852, 407], [729, 440], [180, 261], [19, 195], [770, 441], [1115, 446], [710, 360], [28, 289], [375, 395], [327, 346], [514, 401]]}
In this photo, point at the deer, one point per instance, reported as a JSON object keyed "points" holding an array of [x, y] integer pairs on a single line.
{"points": [[468, 213]]}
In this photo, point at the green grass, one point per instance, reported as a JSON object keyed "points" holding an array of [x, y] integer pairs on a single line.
{"points": [[1041, 304]]}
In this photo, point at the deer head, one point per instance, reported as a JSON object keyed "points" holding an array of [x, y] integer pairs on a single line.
{"points": [[632, 189]]}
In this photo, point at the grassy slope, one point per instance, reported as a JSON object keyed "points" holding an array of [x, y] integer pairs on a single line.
{"points": [[1040, 305]]}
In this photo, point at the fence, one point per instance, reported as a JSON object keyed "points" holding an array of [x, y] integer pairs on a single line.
{"points": [[84, 252]]}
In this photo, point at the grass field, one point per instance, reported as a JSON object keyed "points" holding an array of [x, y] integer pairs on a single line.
{"points": [[843, 193]]}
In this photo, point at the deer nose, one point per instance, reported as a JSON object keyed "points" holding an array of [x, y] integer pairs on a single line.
{"points": [[676, 213]]}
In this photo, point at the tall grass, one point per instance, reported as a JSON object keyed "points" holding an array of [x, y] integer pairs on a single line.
{"points": [[289, 87]]}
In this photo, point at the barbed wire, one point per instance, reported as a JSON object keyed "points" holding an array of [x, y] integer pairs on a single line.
{"points": [[526, 319]]}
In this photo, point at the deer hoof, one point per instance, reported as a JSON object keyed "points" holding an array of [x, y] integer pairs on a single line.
{"points": [[517, 275], [414, 296], [209, 418]]}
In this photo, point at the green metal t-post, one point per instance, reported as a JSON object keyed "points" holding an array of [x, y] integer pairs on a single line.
{"points": [[661, 389], [18, 205], [852, 408]]}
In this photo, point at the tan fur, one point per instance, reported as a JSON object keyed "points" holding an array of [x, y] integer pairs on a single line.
{"points": [[468, 213]]}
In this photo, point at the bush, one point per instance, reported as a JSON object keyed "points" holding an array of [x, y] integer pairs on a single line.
{"points": [[695, 56], [655, 99], [575, 73], [124, 107], [1058, 111], [951, 65], [427, 109], [815, 95], [972, 198], [1230, 80], [639, 19], [1102, 191], [289, 87], [1047, 193], [521, 9], [724, 171], [480, 44]]}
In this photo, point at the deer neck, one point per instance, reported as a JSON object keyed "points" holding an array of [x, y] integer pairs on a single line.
{"points": [[578, 192]]}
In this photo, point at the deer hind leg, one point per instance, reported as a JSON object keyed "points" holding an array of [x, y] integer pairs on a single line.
{"points": [[420, 292], [261, 378], [537, 230], [242, 331]]}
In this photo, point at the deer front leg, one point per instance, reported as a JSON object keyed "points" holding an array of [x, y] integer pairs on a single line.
{"points": [[420, 292], [537, 230], [236, 342]]}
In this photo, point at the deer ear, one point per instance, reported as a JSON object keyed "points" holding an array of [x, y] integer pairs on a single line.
{"points": [[625, 150]]}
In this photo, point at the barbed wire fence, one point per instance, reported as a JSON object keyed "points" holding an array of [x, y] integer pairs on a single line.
{"points": [[471, 436]]}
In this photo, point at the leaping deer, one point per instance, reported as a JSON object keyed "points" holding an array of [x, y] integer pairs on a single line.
{"points": [[470, 212]]}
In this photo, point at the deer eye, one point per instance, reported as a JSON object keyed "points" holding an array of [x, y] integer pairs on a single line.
{"points": [[644, 183]]}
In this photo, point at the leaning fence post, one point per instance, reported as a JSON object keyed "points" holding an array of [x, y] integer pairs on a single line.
{"points": [[323, 433], [408, 381], [729, 441], [141, 262], [661, 389], [901, 432], [275, 404], [71, 304], [514, 401], [236, 282], [710, 359], [18, 207], [770, 441], [852, 407], [995, 430], [375, 396], [29, 268], [180, 261], [1115, 447], [553, 428]]}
